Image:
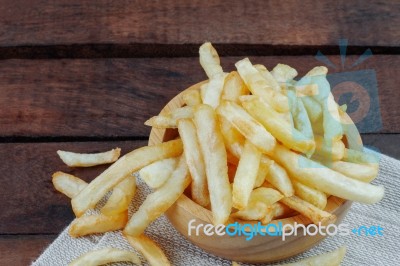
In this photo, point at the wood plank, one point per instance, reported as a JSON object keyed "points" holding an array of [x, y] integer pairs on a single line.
{"points": [[114, 97], [21, 250], [28, 202], [180, 22]]}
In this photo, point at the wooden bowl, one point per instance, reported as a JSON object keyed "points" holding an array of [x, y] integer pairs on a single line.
{"points": [[260, 248]]}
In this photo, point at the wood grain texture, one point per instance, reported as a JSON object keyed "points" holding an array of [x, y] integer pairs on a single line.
{"points": [[28, 202], [21, 250], [179, 22], [114, 97]]}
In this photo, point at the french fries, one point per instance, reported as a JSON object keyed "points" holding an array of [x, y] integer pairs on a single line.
{"points": [[326, 180], [97, 223], [150, 250], [234, 87], [104, 256], [259, 201], [246, 175], [67, 184], [73, 159], [191, 97], [308, 210], [272, 121], [121, 196], [126, 165], [214, 155], [157, 173], [160, 200], [362, 172], [211, 93], [170, 120], [233, 140], [247, 126], [209, 60], [279, 178], [354, 156], [275, 211], [283, 73], [301, 120], [259, 86], [328, 150], [333, 258], [268, 77], [313, 196], [194, 161]]}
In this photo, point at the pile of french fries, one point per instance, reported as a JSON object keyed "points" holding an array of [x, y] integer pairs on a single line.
{"points": [[253, 145]]}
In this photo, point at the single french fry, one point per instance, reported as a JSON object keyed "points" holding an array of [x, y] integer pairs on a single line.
{"points": [[328, 150], [211, 93], [263, 170], [73, 159], [105, 256], [97, 223], [281, 130], [268, 76], [247, 126], [354, 156], [313, 108], [125, 166], [260, 199], [311, 195], [326, 180], [233, 140], [121, 196], [160, 200], [362, 172], [276, 211], [191, 97], [194, 161], [157, 173], [279, 178], [333, 258], [261, 87], [67, 184], [283, 73], [209, 60], [234, 87], [301, 121], [246, 175], [308, 210], [170, 120], [215, 159], [150, 250]]}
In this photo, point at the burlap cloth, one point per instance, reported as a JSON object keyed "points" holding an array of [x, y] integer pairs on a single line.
{"points": [[362, 250]]}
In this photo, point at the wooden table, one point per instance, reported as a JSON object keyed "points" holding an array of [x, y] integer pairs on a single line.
{"points": [[85, 75]]}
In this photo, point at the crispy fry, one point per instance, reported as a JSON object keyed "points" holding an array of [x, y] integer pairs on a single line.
{"points": [[246, 175], [268, 76], [308, 210], [333, 258], [73, 159], [194, 161], [234, 87], [278, 177], [301, 120], [211, 93], [215, 159], [362, 172], [191, 97], [329, 150], [272, 121], [209, 60], [283, 73], [354, 156], [247, 126], [313, 108], [170, 120], [311, 195], [68, 184], [97, 223], [150, 250], [326, 180], [259, 86], [160, 200], [260, 199], [275, 211], [121, 196], [157, 173], [105, 256], [233, 140], [126, 165]]}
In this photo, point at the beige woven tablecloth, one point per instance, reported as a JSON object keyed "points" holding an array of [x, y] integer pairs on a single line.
{"points": [[362, 250]]}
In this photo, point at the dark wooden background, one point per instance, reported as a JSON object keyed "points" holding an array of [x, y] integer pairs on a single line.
{"points": [[85, 75]]}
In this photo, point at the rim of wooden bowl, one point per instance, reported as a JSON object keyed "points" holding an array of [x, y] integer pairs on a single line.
{"points": [[158, 135]]}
